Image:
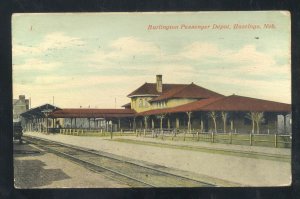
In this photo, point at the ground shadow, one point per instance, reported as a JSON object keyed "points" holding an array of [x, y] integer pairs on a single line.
{"points": [[25, 149], [30, 174]]}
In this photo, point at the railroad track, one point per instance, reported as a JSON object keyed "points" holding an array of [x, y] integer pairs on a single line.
{"points": [[132, 174]]}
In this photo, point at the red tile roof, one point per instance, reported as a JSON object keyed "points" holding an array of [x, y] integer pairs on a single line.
{"points": [[150, 89], [127, 105], [175, 91], [241, 103], [39, 111], [188, 91], [92, 113], [230, 103]]}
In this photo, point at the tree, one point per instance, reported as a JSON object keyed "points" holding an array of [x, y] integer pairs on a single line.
{"points": [[201, 125], [251, 116], [134, 125], [259, 118], [152, 124], [224, 118], [213, 116], [256, 118], [146, 121], [161, 117], [189, 114], [146, 124]]}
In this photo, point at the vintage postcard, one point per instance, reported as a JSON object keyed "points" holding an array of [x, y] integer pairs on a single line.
{"points": [[158, 99]]}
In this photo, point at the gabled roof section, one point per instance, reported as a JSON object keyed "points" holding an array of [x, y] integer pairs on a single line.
{"points": [[150, 89], [241, 103], [128, 105], [188, 91], [92, 113], [39, 111]]}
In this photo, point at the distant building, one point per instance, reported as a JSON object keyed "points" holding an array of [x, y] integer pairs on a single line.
{"points": [[20, 105]]}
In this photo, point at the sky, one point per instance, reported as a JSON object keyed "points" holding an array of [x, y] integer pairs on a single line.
{"points": [[96, 59]]}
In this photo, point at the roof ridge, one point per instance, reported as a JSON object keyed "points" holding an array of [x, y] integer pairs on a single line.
{"points": [[188, 85], [234, 95], [215, 101], [150, 88], [191, 85], [179, 89], [172, 89]]}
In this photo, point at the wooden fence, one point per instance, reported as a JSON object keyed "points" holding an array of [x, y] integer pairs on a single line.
{"points": [[268, 140]]}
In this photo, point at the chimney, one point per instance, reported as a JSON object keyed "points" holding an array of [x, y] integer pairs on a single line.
{"points": [[22, 97], [159, 83]]}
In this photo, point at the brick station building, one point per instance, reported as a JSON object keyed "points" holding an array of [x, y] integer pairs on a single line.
{"points": [[178, 106], [189, 106]]}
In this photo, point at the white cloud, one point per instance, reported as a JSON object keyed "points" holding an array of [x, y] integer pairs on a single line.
{"points": [[73, 91], [255, 62], [57, 40], [249, 55], [36, 64], [124, 47], [51, 82], [134, 46], [200, 50], [18, 50], [51, 41], [262, 89], [247, 59]]}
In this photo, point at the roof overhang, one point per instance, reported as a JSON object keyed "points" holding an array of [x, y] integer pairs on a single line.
{"points": [[40, 111], [142, 95], [93, 113], [230, 104]]}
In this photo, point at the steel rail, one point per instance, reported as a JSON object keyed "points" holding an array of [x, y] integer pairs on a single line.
{"points": [[112, 158], [77, 160]]}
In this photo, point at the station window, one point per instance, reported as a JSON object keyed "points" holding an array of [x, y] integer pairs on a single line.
{"points": [[146, 103], [140, 103]]}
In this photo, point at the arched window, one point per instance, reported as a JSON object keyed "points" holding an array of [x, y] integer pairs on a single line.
{"points": [[140, 102]]}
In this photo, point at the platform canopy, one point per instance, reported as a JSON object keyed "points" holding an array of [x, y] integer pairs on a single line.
{"points": [[92, 113], [40, 111], [231, 103]]}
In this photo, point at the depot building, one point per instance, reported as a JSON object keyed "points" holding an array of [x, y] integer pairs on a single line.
{"points": [[169, 106]]}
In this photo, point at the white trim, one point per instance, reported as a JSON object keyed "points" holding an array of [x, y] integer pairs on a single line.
{"points": [[144, 95]]}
